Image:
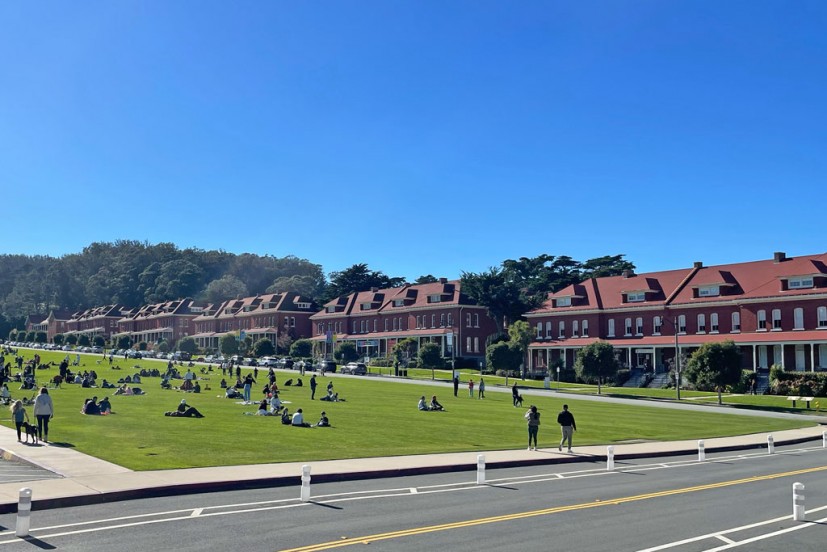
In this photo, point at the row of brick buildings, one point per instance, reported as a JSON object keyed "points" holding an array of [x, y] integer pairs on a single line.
{"points": [[775, 310]]}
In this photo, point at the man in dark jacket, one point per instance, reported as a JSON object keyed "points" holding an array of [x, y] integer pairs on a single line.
{"points": [[567, 426]]}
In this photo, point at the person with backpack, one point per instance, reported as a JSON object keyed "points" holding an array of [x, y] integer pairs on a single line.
{"points": [[533, 419]]}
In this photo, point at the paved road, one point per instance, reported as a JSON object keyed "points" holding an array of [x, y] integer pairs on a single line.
{"points": [[679, 505]]}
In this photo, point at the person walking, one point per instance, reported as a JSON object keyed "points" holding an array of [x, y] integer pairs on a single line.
{"points": [[471, 388], [456, 384], [44, 410], [567, 426], [514, 393], [313, 387], [248, 387], [482, 389], [533, 418], [19, 415]]}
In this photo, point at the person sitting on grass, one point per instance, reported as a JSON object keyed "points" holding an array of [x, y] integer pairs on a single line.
{"points": [[106, 385], [275, 404], [223, 383], [286, 419], [262, 409], [185, 411], [90, 407], [196, 388], [422, 405], [435, 404], [298, 419], [5, 394], [105, 406], [233, 393], [323, 421]]}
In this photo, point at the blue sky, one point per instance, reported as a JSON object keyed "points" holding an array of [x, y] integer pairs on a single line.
{"points": [[420, 137]]}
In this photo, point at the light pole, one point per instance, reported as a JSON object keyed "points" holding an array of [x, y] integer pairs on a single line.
{"points": [[677, 359]]}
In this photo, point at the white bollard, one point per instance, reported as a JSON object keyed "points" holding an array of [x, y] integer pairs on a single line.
{"points": [[770, 444], [305, 495], [798, 502], [701, 451], [610, 458], [480, 469], [24, 512], [824, 440]]}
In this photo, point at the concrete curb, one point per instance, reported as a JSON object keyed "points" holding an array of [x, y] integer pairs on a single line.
{"points": [[295, 480]]}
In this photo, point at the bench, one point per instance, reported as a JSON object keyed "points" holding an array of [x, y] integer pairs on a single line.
{"points": [[807, 399]]}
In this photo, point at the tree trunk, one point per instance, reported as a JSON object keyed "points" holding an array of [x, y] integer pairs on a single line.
{"points": [[719, 397]]}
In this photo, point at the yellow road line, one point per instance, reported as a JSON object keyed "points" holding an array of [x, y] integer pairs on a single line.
{"points": [[367, 539]]}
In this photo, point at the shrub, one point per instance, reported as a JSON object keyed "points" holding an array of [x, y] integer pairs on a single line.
{"points": [[622, 376], [508, 373]]}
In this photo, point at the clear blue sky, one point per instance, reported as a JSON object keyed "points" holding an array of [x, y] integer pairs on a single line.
{"points": [[420, 137]]}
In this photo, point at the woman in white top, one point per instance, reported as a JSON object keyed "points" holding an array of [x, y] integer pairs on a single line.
{"points": [[44, 410]]}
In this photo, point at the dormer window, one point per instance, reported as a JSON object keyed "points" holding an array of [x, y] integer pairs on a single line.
{"points": [[398, 302], [636, 297], [562, 302], [434, 298], [709, 291], [800, 283], [364, 306], [330, 309], [304, 306]]}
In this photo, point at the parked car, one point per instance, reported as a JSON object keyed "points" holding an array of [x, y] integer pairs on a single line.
{"points": [[326, 366], [355, 368], [286, 363], [270, 362]]}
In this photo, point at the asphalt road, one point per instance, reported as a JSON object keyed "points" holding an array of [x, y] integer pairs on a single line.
{"points": [[649, 505]]}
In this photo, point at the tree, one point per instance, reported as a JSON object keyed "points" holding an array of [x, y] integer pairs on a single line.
{"points": [[503, 356], [714, 366], [58, 339], [226, 287], [430, 356], [40, 337], [358, 278], [520, 334], [301, 348], [98, 341], [84, 341], [124, 342], [30, 336], [142, 345], [228, 345], [426, 279], [494, 290], [187, 345], [163, 346], [71, 339], [264, 347], [596, 361], [405, 349], [346, 352]]}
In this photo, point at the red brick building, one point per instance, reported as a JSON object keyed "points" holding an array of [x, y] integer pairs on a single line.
{"points": [[97, 321], [168, 321], [273, 316], [775, 310], [55, 323], [376, 320]]}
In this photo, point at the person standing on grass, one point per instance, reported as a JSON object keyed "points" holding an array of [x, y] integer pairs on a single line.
{"points": [[456, 384], [533, 419], [313, 387], [471, 388], [248, 387], [44, 410], [514, 393], [567, 426], [482, 389]]}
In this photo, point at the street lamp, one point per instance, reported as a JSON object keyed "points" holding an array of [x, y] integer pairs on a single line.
{"points": [[677, 359]]}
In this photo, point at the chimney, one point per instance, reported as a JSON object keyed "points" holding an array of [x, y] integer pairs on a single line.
{"points": [[779, 257], [698, 264], [374, 289], [443, 280], [628, 273]]}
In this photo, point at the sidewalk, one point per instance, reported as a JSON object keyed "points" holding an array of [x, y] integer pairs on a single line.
{"points": [[88, 480]]}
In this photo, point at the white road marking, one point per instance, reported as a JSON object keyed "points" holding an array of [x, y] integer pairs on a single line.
{"points": [[413, 490], [196, 512]]}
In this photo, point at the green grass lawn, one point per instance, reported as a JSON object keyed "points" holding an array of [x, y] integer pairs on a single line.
{"points": [[379, 418]]}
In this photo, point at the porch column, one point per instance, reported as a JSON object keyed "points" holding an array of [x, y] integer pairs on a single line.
{"points": [[629, 357], [782, 357], [812, 357], [755, 358]]}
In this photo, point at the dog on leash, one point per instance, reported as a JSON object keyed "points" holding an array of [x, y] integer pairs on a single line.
{"points": [[518, 401], [31, 431]]}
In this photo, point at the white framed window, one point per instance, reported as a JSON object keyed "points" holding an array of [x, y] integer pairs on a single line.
{"points": [[585, 328], [561, 333], [562, 302], [355, 327], [701, 323], [435, 298], [468, 320], [636, 297], [386, 324], [639, 326], [762, 320], [709, 291], [362, 326], [682, 324], [433, 321], [549, 331], [736, 322], [398, 302], [402, 323], [468, 345], [476, 344], [374, 326], [610, 332], [395, 324], [713, 322], [628, 327], [800, 282], [476, 320], [450, 319], [575, 328], [822, 318], [539, 330], [798, 318], [657, 322], [776, 319], [442, 320]]}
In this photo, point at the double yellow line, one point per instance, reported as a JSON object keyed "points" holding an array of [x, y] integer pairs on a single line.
{"points": [[367, 539]]}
